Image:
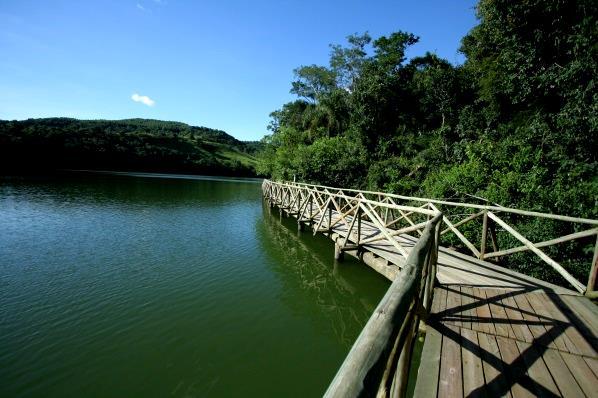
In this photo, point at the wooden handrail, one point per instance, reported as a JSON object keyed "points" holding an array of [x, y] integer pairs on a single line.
{"points": [[550, 242], [353, 198], [539, 252], [469, 205], [377, 210], [390, 325]]}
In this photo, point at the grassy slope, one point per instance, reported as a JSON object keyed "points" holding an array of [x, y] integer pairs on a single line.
{"points": [[131, 144]]}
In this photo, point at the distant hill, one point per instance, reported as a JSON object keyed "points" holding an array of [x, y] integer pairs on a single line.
{"points": [[40, 145]]}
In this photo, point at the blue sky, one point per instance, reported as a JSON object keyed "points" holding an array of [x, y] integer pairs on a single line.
{"points": [[221, 64]]}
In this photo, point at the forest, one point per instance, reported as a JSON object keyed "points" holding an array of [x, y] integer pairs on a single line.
{"points": [[42, 145], [515, 124]]}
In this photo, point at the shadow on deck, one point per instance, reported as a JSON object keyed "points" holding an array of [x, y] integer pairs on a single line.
{"points": [[508, 342]]}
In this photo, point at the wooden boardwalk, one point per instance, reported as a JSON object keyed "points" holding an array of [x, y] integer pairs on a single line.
{"points": [[495, 332], [453, 267], [491, 331], [512, 342]]}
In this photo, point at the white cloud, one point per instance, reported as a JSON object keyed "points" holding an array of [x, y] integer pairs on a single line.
{"points": [[144, 99], [140, 7]]}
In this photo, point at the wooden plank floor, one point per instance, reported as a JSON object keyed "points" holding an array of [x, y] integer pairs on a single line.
{"points": [[453, 267], [484, 341], [494, 331]]}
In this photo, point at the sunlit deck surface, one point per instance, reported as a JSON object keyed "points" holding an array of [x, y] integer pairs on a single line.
{"points": [[483, 341], [495, 332], [453, 267]]}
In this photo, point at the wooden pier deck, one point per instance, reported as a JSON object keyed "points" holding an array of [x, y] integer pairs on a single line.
{"points": [[495, 332], [453, 267], [490, 331], [515, 342]]}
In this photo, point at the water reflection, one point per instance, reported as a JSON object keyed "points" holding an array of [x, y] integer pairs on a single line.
{"points": [[160, 287], [345, 293], [128, 189]]}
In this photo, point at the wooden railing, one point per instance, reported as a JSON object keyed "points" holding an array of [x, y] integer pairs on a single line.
{"points": [[329, 209], [393, 215], [380, 359]]}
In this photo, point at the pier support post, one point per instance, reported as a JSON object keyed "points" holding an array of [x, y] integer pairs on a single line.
{"points": [[330, 219], [300, 226], [484, 235], [339, 255], [593, 278]]}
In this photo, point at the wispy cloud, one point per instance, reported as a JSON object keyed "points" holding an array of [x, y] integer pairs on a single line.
{"points": [[147, 5], [144, 99]]}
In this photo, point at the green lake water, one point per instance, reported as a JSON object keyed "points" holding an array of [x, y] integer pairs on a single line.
{"points": [[167, 286]]}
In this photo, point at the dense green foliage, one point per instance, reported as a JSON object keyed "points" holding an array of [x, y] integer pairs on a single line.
{"points": [[36, 145], [516, 124]]}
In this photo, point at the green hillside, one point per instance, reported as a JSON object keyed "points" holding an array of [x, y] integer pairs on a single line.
{"points": [[40, 145]]}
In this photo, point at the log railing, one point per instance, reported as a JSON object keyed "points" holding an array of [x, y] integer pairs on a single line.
{"points": [[393, 215], [328, 209], [380, 358]]}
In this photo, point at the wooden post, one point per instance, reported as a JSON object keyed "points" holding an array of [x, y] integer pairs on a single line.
{"points": [[427, 276], [339, 255], [593, 271], [385, 216], [484, 235], [434, 265], [330, 219], [358, 215], [297, 206], [401, 379], [493, 236], [311, 210]]}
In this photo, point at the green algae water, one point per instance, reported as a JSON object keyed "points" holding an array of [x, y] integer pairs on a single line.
{"points": [[168, 286]]}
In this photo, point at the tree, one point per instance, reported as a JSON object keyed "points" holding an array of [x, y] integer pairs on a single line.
{"points": [[436, 83], [390, 51], [347, 62], [312, 82]]}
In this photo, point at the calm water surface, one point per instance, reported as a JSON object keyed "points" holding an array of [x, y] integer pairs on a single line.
{"points": [[129, 286]]}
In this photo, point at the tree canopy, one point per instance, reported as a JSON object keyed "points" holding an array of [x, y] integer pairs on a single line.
{"points": [[515, 124]]}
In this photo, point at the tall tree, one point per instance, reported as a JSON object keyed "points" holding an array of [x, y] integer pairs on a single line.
{"points": [[312, 82], [347, 62]]}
